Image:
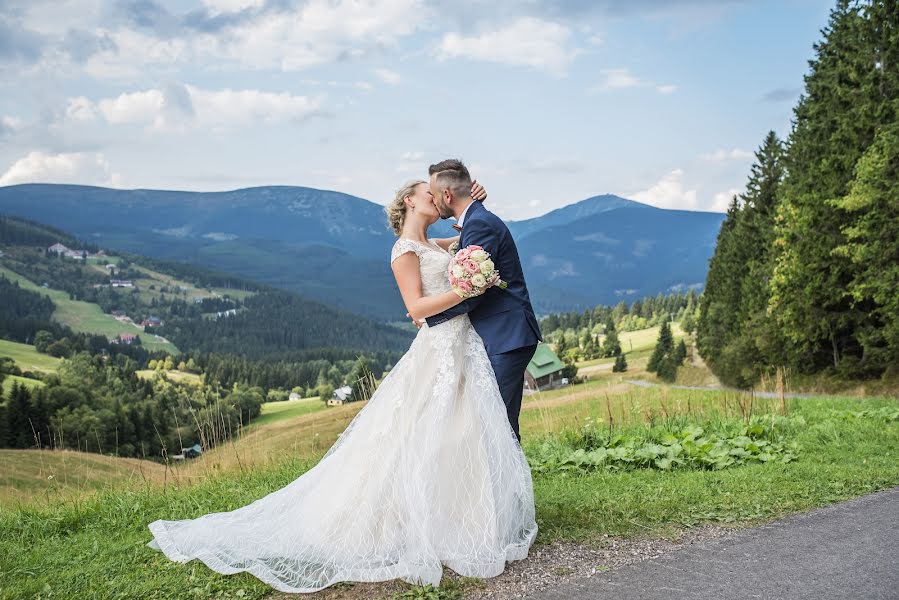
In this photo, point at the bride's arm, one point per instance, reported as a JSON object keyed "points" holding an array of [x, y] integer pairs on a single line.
{"points": [[408, 278], [445, 243]]}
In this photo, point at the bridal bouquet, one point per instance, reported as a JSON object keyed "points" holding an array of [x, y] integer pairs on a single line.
{"points": [[471, 272]]}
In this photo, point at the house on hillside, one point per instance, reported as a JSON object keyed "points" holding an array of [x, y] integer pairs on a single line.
{"points": [[58, 249], [341, 395], [121, 283], [192, 452], [125, 338], [151, 322], [544, 372], [294, 396]]}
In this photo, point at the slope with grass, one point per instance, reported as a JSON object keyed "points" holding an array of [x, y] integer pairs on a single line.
{"points": [[87, 317], [50, 477], [844, 453], [27, 358], [12, 380]]}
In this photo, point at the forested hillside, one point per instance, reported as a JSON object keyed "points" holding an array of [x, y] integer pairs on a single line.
{"points": [[806, 268]]}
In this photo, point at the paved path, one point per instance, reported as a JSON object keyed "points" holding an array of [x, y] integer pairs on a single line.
{"points": [[847, 550]]}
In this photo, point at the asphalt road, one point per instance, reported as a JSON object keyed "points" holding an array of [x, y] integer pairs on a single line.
{"points": [[847, 550]]}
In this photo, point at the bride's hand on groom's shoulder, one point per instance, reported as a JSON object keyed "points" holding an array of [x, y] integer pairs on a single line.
{"points": [[477, 191]]}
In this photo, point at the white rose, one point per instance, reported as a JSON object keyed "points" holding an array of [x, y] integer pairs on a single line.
{"points": [[487, 267], [458, 271], [478, 255], [479, 281]]}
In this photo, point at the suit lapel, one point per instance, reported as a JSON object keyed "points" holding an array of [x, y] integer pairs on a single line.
{"points": [[472, 211]]}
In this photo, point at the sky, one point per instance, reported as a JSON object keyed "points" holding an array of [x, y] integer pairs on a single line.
{"points": [[548, 103]]}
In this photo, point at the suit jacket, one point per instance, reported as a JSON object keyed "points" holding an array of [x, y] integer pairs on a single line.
{"points": [[503, 318]]}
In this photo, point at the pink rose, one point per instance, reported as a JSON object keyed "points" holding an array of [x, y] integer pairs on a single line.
{"points": [[464, 285], [471, 266], [472, 248], [463, 254], [452, 279]]}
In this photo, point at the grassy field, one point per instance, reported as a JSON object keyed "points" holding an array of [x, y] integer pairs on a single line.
{"points": [[639, 342], [185, 290], [27, 358], [840, 458], [25, 381], [53, 477], [87, 317], [288, 409], [174, 375], [842, 453]]}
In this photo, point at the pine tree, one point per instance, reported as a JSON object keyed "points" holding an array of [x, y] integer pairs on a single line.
{"points": [[719, 302], [664, 347], [667, 369], [611, 346], [834, 122], [680, 353], [620, 365], [873, 247]]}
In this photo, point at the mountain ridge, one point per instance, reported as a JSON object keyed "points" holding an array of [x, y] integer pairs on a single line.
{"points": [[329, 245]]}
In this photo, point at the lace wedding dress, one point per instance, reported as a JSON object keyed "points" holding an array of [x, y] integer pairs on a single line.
{"points": [[428, 473]]}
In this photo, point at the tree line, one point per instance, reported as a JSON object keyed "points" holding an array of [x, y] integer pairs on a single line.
{"points": [[806, 266]]}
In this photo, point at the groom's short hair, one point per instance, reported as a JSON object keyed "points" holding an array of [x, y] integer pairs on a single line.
{"points": [[453, 175]]}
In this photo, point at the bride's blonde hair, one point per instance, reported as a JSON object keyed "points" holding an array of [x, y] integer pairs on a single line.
{"points": [[396, 210]]}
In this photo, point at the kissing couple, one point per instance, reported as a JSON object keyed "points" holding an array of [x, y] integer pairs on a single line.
{"points": [[430, 473]]}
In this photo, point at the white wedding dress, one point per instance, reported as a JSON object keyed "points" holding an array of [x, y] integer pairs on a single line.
{"points": [[428, 473]]}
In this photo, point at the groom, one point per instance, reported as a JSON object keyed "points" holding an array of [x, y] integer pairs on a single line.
{"points": [[502, 317]]}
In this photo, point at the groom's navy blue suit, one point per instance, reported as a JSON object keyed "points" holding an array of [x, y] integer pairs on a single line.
{"points": [[503, 318]]}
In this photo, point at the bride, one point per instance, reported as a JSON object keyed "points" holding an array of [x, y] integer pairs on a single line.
{"points": [[428, 473]]}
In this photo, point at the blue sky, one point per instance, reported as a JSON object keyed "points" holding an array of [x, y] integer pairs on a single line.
{"points": [[548, 102]]}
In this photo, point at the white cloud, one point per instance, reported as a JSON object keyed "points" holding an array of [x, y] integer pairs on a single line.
{"points": [[388, 76], [225, 6], [129, 51], [617, 79], [9, 124], [81, 109], [724, 155], [526, 42], [669, 192], [134, 107], [722, 200], [620, 79], [180, 106], [75, 167], [411, 162], [319, 32]]}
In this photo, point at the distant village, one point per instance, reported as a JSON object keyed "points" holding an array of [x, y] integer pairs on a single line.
{"points": [[543, 373]]}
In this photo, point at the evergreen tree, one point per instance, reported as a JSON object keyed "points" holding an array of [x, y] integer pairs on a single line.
{"points": [[680, 353], [834, 122], [872, 244], [620, 365], [664, 347], [667, 370], [611, 346], [719, 302], [18, 425]]}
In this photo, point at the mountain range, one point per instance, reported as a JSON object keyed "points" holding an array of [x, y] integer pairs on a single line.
{"points": [[334, 247]]}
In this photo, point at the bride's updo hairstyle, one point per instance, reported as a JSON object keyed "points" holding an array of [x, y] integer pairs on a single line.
{"points": [[396, 210]]}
